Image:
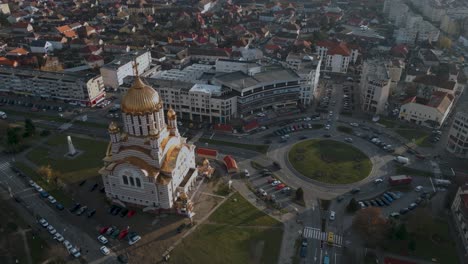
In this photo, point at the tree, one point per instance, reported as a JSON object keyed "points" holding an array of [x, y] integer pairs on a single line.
{"points": [[12, 136], [299, 194], [48, 174], [29, 127], [353, 206], [371, 225], [401, 233]]}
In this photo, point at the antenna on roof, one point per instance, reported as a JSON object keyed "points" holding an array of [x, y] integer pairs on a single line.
{"points": [[135, 67]]}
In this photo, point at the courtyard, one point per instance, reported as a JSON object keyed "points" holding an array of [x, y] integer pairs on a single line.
{"points": [[329, 161]]}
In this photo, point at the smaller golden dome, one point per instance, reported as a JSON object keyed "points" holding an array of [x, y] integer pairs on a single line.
{"points": [[113, 128], [154, 132], [206, 162], [140, 99], [171, 114]]}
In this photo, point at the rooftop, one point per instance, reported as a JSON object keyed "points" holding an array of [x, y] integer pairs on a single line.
{"points": [[206, 88], [28, 73], [122, 60]]}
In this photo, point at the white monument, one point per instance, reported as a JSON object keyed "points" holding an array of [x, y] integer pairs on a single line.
{"points": [[71, 148]]}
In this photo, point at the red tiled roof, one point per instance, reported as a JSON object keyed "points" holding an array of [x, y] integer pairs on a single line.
{"points": [[207, 152], [230, 163], [272, 47], [251, 126], [223, 127], [93, 58], [340, 49], [397, 261]]}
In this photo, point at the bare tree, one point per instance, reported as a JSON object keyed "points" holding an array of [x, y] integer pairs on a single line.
{"points": [[371, 225]]}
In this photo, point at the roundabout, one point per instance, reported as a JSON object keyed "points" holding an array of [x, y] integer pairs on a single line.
{"points": [[329, 161]]}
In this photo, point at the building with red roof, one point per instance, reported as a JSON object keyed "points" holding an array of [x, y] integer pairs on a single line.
{"points": [[336, 56], [231, 164], [207, 153], [460, 214]]}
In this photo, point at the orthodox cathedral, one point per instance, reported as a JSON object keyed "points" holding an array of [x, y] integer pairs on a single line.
{"points": [[149, 164]]}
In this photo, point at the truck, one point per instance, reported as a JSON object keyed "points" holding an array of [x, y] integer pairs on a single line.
{"points": [[400, 180], [443, 183], [3, 115], [401, 159]]}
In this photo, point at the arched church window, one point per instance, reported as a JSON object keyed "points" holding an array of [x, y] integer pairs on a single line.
{"points": [[132, 182], [125, 179], [138, 182]]}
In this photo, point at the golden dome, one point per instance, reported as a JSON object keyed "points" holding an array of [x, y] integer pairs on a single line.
{"points": [[171, 114], [154, 132], [206, 162], [113, 128], [140, 99]]}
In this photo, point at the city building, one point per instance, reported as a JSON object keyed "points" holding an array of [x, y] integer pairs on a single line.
{"points": [[199, 101], [374, 86], [114, 72], [149, 164], [460, 214], [458, 134], [430, 112], [4, 9], [86, 90], [336, 56], [269, 89], [418, 31]]}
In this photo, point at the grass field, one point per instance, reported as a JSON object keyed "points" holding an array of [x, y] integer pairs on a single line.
{"points": [[420, 137], [84, 166], [259, 148], [330, 161], [427, 248], [236, 233]]}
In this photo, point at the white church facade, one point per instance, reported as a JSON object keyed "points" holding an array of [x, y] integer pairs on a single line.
{"points": [[148, 164]]}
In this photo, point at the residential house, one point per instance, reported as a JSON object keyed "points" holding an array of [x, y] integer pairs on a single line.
{"points": [[336, 56], [22, 27], [41, 46], [430, 112]]}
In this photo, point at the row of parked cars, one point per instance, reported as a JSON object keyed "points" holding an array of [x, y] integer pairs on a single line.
{"points": [[385, 199], [116, 233], [73, 250], [348, 100], [273, 182], [46, 195], [325, 100]]}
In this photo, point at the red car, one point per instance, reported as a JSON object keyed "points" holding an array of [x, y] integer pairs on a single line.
{"points": [[123, 234], [103, 230], [280, 186], [131, 213]]}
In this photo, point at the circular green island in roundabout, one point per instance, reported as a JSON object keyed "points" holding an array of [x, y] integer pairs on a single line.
{"points": [[329, 161]]}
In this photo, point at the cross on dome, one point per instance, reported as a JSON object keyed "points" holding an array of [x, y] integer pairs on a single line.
{"points": [[135, 66]]}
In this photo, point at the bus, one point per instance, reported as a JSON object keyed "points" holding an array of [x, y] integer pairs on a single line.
{"points": [[330, 238], [326, 260]]}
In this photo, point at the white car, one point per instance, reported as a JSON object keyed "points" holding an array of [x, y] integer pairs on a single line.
{"points": [[327, 127], [32, 183], [378, 180], [38, 188], [275, 183], [59, 237], [102, 239], [51, 199], [104, 250], [354, 124], [51, 230], [246, 173], [418, 188], [332, 215], [43, 222], [67, 244], [75, 252], [134, 239]]}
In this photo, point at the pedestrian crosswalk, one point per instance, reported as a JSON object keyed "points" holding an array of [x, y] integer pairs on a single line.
{"points": [[4, 166], [316, 233]]}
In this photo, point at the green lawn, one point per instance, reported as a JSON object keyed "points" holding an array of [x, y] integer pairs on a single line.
{"points": [[420, 137], [58, 194], [330, 161], [388, 123], [259, 148], [236, 233], [427, 248], [84, 166]]}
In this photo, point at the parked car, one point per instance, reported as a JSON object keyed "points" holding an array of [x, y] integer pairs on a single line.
{"points": [[124, 212], [404, 211], [43, 222], [94, 187], [59, 237], [332, 215], [280, 186], [133, 239], [51, 230], [378, 180], [91, 213], [67, 244], [59, 206], [412, 206], [102, 239], [51, 199], [75, 207], [82, 210], [418, 188], [104, 250], [275, 183]]}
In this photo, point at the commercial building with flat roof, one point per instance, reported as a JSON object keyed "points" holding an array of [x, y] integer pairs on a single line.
{"points": [[70, 87], [115, 71]]}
